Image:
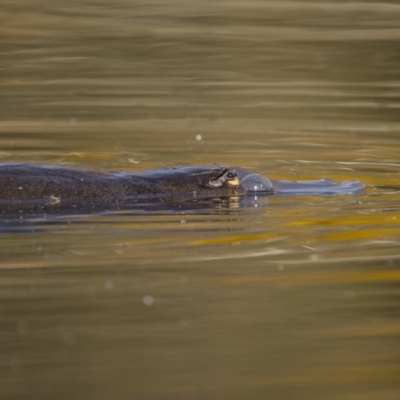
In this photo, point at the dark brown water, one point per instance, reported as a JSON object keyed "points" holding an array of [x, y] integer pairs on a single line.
{"points": [[283, 298]]}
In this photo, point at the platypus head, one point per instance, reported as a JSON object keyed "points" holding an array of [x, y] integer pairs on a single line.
{"points": [[197, 180], [222, 178]]}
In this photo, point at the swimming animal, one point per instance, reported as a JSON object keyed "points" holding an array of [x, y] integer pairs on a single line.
{"points": [[48, 187]]}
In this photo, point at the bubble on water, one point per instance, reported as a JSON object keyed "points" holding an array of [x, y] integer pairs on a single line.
{"points": [[256, 183], [108, 285], [148, 300]]}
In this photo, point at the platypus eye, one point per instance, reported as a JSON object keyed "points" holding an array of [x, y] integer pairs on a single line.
{"points": [[228, 176]]}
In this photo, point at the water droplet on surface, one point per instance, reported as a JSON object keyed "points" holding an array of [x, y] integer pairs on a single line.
{"points": [[148, 300], [256, 183], [108, 284]]}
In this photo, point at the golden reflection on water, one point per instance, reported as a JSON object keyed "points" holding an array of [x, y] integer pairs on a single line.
{"points": [[316, 278], [292, 298]]}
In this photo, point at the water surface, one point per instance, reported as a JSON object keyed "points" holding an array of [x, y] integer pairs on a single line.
{"points": [[279, 297]]}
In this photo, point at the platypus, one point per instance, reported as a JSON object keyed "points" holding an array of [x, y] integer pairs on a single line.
{"points": [[46, 188]]}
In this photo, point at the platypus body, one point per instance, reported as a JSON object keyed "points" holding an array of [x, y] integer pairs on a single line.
{"points": [[34, 182]]}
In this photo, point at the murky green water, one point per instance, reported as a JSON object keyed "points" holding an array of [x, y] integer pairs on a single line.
{"points": [[283, 298]]}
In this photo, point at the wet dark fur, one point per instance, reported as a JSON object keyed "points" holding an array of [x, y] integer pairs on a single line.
{"points": [[25, 182]]}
